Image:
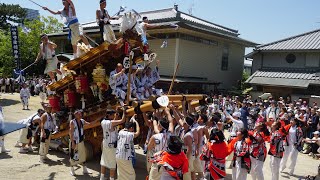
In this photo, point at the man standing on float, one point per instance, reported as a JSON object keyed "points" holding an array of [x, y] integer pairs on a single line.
{"points": [[69, 16], [47, 52], [103, 19]]}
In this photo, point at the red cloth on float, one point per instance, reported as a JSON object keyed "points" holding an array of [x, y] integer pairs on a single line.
{"points": [[82, 84], [54, 102], [69, 98]]}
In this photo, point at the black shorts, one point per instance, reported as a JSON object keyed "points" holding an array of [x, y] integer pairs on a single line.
{"points": [[29, 135], [72, 151], [47, 135]]}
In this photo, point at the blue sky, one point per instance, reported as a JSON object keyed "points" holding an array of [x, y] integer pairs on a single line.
{"points": [[260, 21]]}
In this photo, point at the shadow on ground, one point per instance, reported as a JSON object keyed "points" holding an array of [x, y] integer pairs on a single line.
{"points": [[5, 156], [8, 102], [51, 176], [287, 176]]}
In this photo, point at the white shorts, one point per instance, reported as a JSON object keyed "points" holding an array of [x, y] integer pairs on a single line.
{"points": [[76, 32], [155, 173], [198, 165], [108, 158], [108, 34], [51, 65], [82, 154], [187, 176], [23, 136], [25, 101]]}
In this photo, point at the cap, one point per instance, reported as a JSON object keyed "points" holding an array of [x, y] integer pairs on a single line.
{"points": [[102, 1], [236, 114], [316, 132]]}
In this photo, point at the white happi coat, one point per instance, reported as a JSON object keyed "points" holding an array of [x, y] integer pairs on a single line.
{"points": [[118, 84], [125, 147], [149, 81], [24, 95]]}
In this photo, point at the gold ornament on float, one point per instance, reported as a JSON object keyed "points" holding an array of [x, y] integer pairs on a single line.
{"points": [[99, 77]]}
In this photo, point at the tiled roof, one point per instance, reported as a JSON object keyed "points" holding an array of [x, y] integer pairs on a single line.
{"points": [[169, 15], [228, 36], [196, 20], [287, 74], [306, 41], [160, 14], [285, 77]]}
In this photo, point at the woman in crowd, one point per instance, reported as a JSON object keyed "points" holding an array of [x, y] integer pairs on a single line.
{"points": [[241, 158], [276, 150], [173, 162], [258, 150], [294, 136], [214, 154], [283, 116]]}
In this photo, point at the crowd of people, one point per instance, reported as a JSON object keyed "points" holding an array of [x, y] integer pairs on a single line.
{"points": [[191, 143], [183, 142], [7, 85], [35, 85], [142, 82]]}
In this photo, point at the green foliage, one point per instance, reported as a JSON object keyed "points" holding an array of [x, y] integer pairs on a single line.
{"points": [[242, 88], [245, 76], [29, 45], [10, 12], [245, 88], [6, 58]]}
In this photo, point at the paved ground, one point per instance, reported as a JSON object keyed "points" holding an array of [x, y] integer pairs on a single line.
{"points": [[26, 166]]}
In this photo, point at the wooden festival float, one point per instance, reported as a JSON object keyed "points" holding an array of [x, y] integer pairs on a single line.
{"points": [[86, 87]]}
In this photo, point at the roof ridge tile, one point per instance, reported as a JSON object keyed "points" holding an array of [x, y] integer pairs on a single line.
{"points": [[290, 41]]}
